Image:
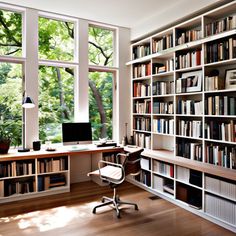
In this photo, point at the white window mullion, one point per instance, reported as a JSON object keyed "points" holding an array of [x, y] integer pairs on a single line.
{"points": [[31, 74], [81, 102]]}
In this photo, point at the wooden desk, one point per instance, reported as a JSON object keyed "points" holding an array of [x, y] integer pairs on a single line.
{"points": [[39, 173]]}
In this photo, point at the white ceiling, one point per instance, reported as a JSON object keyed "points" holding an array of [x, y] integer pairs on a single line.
{"points": [[134, 14]]}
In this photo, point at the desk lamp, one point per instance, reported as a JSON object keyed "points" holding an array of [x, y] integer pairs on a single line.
{"points": [[27, 103]]}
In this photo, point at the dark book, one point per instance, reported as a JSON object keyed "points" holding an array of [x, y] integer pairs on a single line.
{"points": [[232, 105]]}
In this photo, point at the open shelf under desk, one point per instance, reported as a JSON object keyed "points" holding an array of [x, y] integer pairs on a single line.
{"points": [[168, 156]]}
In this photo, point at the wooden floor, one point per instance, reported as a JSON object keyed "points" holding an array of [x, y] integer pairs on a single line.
{"points": [[71, 214]]}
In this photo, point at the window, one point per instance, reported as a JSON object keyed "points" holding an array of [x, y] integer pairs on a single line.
{"points": [[11, 99], [56, 39], [101, 46], [10, 33], [101, 54], [100, 103], [56, 101]]}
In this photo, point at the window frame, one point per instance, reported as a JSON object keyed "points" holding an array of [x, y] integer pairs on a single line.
{"points": [[110, 69]]}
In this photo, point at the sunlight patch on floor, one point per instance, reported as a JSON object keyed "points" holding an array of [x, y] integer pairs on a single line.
{"points": [[49, 219]]}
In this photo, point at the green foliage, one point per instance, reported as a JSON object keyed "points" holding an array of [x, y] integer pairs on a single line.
{"points": [[100, 46], [56, 39], [103, 82], [10, 101], [56, 85], [56, 101], [10, 33]]}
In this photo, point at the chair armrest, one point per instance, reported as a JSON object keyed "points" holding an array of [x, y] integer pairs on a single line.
{"points": [[111, 178]]}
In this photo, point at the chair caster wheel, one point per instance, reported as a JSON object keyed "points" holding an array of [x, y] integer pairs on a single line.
{"points": [[94, 211], [118, 215], [136, 207]]}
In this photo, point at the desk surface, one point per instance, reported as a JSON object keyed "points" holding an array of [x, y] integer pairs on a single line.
{"points": [[13, 153]]}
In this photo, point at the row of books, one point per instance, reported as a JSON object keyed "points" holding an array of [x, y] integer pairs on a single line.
{"points": [[141, 51], [192, 151], [142, 123], [163, 168], [225, 131], [220, 186], [145, 163], [18, 187], [221, 105], [16, 168], [158, 67], [183, 174], [141, 89], [52, 165], [189, 59], [188, 36], [224, 156], [163, 107], [144, 177], [189, 107], [162, 43], [51, 181], [214, 83], [143, 107], [163, 185], [227, 23], [163, 87], [141, 70], [163, 126], [189, 176], [142, 140], [191, 128], [219, 51], [220, 208]]}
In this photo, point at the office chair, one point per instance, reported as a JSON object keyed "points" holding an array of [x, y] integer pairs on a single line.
{"points": [[114, 174]]}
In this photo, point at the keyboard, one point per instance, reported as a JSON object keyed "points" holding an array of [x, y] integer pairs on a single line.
{"points": [[75, 148]]}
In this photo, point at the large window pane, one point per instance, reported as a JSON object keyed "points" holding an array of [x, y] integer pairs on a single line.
{"points": [[100, 104], [56, 39], [100, 46], [56, 101], [10, 33], [11, 99]]}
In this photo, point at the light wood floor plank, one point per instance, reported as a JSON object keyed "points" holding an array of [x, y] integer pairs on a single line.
{"points": [[71, 214]]}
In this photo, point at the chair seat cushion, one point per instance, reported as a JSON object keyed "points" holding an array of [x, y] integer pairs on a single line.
{"points": [[108, 171]]}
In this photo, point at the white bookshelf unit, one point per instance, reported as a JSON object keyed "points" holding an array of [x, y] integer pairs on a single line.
{"points": [[23, 177], [184, 113]]}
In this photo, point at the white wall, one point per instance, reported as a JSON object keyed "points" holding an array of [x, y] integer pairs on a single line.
{"points": [[178, 10], [123, 83]]}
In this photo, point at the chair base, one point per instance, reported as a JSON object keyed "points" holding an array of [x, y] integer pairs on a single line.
{"points": [[116, 202]]}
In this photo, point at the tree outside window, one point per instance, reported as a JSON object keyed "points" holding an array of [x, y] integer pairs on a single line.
{"points": [[10, 33], [56, 101], [101, 82]]}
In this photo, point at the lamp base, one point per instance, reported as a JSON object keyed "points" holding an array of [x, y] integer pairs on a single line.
{"points": [[22, 149]]}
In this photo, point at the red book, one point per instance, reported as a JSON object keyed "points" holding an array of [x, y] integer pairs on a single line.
{"points": [[148, 69], [198, 57], [171, 171]]}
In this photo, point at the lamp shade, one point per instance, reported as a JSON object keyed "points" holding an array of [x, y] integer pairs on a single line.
{"points": [[28, 102]]}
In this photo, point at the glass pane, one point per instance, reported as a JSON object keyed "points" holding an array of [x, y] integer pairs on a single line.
{"points": [[56, 39], [10, 100], [56, 101], [100, 46], [10, 33], [100, 104]]}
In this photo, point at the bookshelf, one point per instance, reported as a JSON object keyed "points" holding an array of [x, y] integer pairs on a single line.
{"points": [[26, 177], [191, 109]]}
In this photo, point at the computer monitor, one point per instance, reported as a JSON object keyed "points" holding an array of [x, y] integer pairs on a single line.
{"points": [[76, 133]]}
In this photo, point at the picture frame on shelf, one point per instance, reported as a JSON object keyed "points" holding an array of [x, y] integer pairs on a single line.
{"points": [[189, 82], [193, 81], [230, 79]]}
